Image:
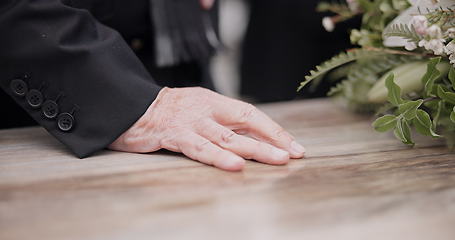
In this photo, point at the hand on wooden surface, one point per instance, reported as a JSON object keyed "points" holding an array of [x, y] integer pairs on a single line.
{"points": [[210, 128]]}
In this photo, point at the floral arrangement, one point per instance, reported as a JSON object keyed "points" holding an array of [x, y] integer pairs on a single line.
{"points": [[403, 68]]}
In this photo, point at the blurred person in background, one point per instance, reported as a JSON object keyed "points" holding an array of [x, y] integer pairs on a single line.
{"points": [[283, 42]]}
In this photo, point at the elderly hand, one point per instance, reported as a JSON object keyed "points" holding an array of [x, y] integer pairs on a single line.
{"points": [[208, 127]]}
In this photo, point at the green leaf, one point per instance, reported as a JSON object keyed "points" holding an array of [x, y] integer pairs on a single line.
{"points": [[437, 115], [431, 75], [366, 4], [402, 30], [452, 115], [403, 132], [409, 109], [385, 123], [339, 60], [423, 124], [452, 76], [394, 91], [303, 84], [446, 96]]}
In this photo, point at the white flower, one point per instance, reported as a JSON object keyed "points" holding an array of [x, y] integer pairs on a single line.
{"points": [[422, 43], [435, 45], [451, 32], [452, 59], [420, 24], [434, 31], [410, 46], [450, 48], [328, 24], [406, 17]]}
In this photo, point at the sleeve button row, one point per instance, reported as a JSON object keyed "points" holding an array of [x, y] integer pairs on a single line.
{"points": [[50, 108]]}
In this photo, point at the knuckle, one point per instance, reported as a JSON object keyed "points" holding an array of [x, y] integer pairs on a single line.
{"points": [[202, 145], [280, 134], [247, 113], [227, 137]]}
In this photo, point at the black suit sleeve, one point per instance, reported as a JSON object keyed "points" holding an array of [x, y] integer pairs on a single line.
{"points": [[73, 75]]}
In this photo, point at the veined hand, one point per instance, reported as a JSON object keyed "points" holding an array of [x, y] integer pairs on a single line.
{"points": [[210, 128]]}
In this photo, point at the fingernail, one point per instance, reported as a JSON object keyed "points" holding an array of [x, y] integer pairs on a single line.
{"points": [[232, 164], [297, 150], [280, 156]]}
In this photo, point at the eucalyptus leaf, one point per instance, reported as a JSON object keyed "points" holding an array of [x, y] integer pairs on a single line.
{"points": [[431, 75], [423, 124], [407, 75], [394, 91], [452, 76], [452, 115], [437, 115], [446, 96], [385, 123], [409, 109], [403, 131]]}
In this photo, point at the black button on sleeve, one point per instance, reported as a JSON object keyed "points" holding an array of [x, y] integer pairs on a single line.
{"points": [[65, 122], [50, 109], [18, 87], [34, 98]]}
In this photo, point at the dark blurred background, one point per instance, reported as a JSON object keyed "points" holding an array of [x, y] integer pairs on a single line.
{"points": [[270, 45]]}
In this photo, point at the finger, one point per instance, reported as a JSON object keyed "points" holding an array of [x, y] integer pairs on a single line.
{"points": [[248, 118], [245, 147], [198, 148], [206, 4]]}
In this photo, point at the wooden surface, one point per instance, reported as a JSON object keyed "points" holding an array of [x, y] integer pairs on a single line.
{"points": [[355, 184]]}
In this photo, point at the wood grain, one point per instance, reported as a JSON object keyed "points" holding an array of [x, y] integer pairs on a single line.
{"points": [[354, 184]]}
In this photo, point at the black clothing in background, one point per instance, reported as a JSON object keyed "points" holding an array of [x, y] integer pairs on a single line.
{"points": [[132, 20], [284, 40], [73, 52]]}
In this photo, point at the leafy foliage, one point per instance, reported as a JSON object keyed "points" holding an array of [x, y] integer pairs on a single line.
{"points": [[360, 78], [423, 124], [335, 7], [430, 76], [394, 91], [402, 30], [441, 15], [420, 99], [385, 123], [403, 131], [414, 113], [337, 61]]}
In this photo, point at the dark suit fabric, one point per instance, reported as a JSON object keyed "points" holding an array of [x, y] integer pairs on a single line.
{"points": [[70, 52]]}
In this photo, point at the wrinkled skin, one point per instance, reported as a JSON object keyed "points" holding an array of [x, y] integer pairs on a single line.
{"points": [[209, 128]]}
